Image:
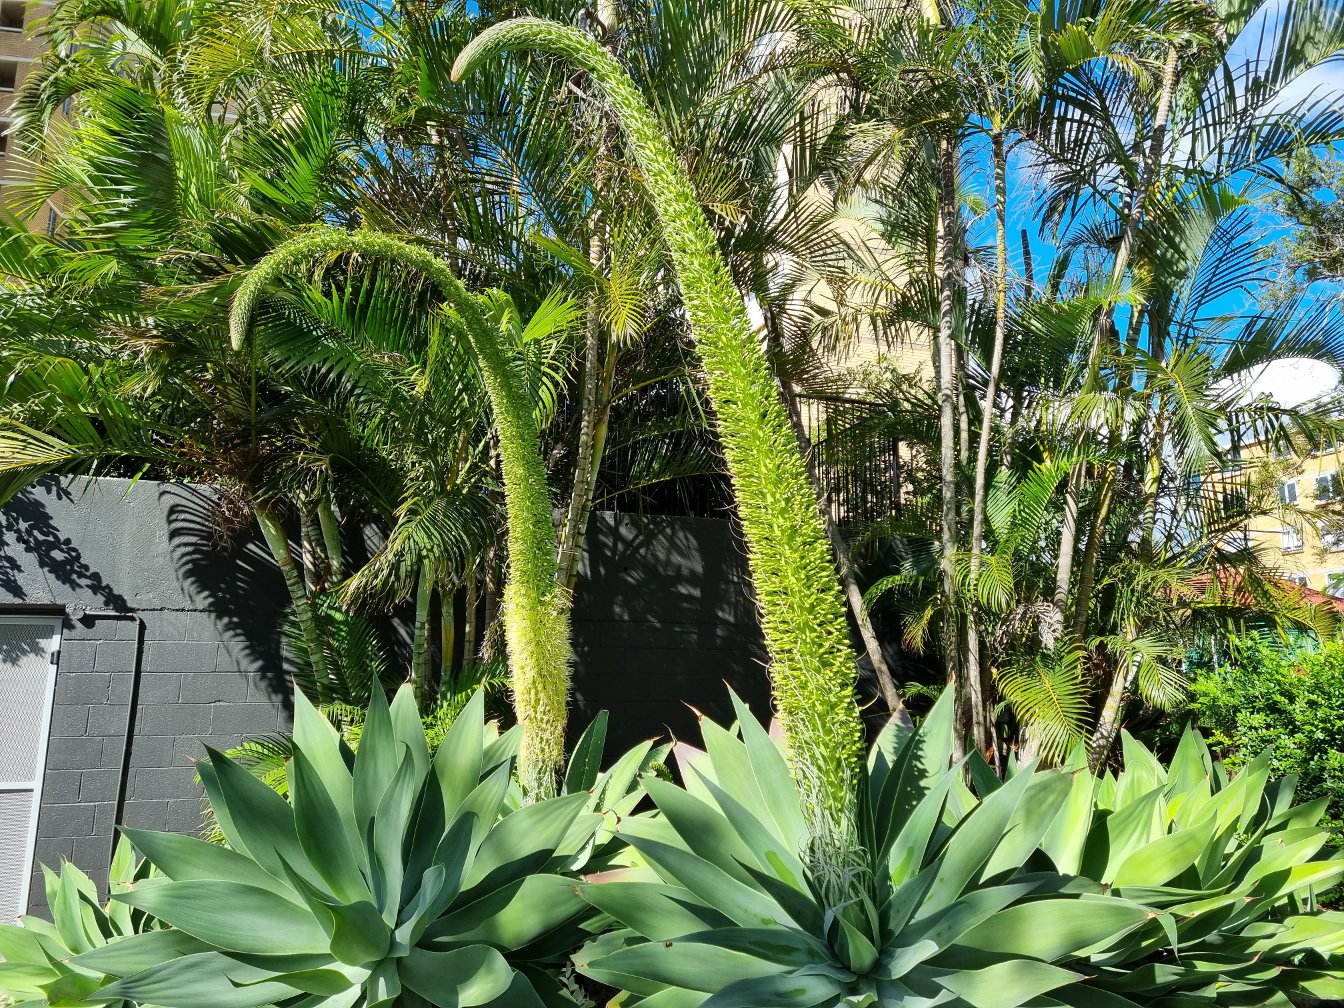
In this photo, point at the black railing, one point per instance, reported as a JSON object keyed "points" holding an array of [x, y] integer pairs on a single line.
{"points": [[862, 467]]}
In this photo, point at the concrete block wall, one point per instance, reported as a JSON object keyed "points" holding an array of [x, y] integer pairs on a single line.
{"points": [[664, 622], [142, 582]]}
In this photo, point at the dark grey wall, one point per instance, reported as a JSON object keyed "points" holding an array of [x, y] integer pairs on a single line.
{"points": [[663, 618], [209, 652]]}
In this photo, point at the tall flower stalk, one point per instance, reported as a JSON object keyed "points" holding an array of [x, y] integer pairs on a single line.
{"points": [[802, 610], [536, 609]]}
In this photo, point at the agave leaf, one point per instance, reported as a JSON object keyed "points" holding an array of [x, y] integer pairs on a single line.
{"points": [[786, 991], [360, 935], [1047, 792], [376, 763], [656, 911], [183, 858], [408, 731], [231, 915], [458, 760], [322, 832], [748, 906], [906, 853], [523, 841], [320, 743], [972, 843], [512, 916], [468, 976], [773, 853], [1050, 929], [1007, 984], [138, 952], [585, 764], [703, 829], [683, 963], [1121, 833], [785, 946], [938, 931], [387, 830], [257, 821], [770, 772], [1165, 858], [206, 975]]}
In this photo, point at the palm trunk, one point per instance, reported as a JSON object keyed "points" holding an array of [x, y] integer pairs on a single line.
{"points": [[1113, 709], [424, 595], [1105, 324], [1112, 712], [312, 550], [947, 424], [447, 642], [470, 630], [331, 537], [273, 530], [978, 498], [580, 497]]}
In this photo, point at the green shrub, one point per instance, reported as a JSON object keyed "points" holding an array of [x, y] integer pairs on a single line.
{"points": [[390, 877], [1288, 704]]}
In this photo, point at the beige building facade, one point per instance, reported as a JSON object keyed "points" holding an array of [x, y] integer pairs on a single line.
{"points": [[19, 48], [1305, 538]]}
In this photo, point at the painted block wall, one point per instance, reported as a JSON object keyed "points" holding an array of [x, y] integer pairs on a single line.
{"points": [[664, 618]]}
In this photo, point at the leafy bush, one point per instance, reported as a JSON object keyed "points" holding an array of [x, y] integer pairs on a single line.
{"points": [[1290, 705], [390, 877], [726, 915]]}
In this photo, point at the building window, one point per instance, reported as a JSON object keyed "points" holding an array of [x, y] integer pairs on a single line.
{"points": [[52, 220], [11, 15], [1288, 492], [1334, 583], [1234, 503], [1298, 579], [9, 75], [1291, 539], [1332, 537], [1328, 486]]}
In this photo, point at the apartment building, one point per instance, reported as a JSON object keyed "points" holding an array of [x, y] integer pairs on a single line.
{"points": [[19, 47], [1305, 541]]}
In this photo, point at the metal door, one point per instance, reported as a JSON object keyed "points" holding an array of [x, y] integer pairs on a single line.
{"points": [[29, 646]]}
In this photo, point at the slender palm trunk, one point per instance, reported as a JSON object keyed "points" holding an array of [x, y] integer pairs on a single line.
{"points": [[447, 642], [331, 537], [311, 549], [273, 530], [1104, 327], [580, 497], [978, 494], [424, 595], [471, 643], [947, 423]]}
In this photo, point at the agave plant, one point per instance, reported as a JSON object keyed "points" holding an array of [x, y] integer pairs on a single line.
{"points": [[1231, 868], [390, 877], [726, 914], [37, 970]]}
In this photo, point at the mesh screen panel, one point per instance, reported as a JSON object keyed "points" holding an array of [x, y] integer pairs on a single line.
{"points": [[24, 673], [16, 810], [25, 677]]}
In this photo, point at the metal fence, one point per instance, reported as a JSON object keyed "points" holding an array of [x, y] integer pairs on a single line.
{"points": [[862, 467]]}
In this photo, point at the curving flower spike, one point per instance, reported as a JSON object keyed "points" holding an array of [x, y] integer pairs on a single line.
{"points": [[802, 610], [535, 609]]}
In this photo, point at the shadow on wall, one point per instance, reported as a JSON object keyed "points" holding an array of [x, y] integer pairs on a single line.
{"points": [[233, 577], [27, 527], [664, 621]]}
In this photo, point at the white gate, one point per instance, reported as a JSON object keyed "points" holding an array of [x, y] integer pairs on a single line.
{"points": [[28, 649]]}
